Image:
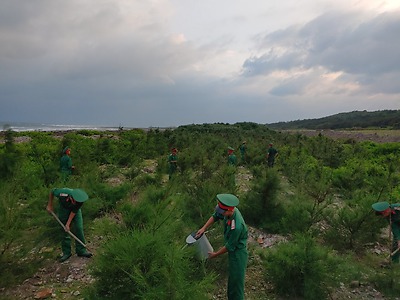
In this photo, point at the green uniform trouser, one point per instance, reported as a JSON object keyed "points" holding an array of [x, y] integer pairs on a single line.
{"points": [[65, 175], [271, 162], [171, 170], [396, 257], [237, 271], [77, 226]]}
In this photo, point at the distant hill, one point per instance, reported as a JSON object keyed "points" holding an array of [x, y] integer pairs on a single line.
{"points": [[356, 119]]}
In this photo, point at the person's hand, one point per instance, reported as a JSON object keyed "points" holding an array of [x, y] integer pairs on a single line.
{"points": [[211, 255], [67, 228], [49, 208], [398, 244], [199, 233]]}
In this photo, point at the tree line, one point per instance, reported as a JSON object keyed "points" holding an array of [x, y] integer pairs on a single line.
{"points": [[388, 119]]}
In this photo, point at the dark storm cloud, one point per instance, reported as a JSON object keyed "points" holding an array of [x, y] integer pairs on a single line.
{"points": [[87, 63], [132, 63], [369, 47]]}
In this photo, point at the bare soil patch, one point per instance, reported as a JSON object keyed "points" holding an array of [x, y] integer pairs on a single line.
{"points": [[378, 136]]}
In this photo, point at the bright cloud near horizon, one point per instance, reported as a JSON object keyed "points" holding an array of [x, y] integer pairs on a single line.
{"points": [[169, 63]]}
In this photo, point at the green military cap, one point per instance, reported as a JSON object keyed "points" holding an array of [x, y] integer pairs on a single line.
{"points": [[380, 206], [228, 199], [79, 195]]}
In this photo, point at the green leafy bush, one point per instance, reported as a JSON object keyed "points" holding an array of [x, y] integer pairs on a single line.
{"points": [[351, 226], [108, 196], [147, 265], [261, 207], [300, 268], [299, 215], [9, 156]]}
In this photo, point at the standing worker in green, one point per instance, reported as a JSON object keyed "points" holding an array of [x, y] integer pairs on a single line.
{"points": [[232, 160], [172, 162], [69, 212], [243, 148], [66, 166], [391, 212], [272, 153], [235, 237]]}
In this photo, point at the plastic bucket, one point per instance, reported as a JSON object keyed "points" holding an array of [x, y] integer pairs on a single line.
{"points": [[202, 245]]}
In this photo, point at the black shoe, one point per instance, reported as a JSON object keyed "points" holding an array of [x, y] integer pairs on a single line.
{"points": [[65, 257], [85, 254]]}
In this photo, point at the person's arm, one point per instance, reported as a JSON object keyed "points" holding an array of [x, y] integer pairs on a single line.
{"points": [[218, 253], [70, 218], [396, 232], [49, 207], [209, 222], [71, 167]]}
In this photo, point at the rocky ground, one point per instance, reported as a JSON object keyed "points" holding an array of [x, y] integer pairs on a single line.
{"points": [[55, 280], [66, 280]]}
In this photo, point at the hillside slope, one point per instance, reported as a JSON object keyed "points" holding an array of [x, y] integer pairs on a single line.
{"points": [[356, 119]]}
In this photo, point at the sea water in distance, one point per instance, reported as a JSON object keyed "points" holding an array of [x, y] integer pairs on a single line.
{"points": [[25, 126]]}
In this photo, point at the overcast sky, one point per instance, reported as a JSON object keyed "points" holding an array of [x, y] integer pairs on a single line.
{"points": [[141, 63]]}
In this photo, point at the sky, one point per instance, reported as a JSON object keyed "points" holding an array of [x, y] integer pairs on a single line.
{"points": [[162, 63]]}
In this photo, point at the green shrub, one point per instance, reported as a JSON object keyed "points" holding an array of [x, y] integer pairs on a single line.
{"points": [[353, 225], [146, 180], [9, 157], [11, 221], [147, 266], [261, 206], [298, 216], [155, 194], [299, 268], [386, 281], [138, 216], [109, 196]]}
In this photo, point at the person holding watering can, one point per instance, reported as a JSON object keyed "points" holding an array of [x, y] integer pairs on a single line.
{"points": [[235, 238]]}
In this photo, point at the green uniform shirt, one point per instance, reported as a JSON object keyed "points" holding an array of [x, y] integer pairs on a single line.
{"points": [[272, 153], [242, 149], [66, 164], [396, 221], [172, 159], [235, 230], [232, 160], [62, 195]]}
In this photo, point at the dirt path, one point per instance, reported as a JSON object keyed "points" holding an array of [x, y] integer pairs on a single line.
{"points": [[54, 280]]}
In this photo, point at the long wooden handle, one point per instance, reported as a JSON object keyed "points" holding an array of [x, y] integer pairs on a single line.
{"points": [[394, 252], [68, 231]]}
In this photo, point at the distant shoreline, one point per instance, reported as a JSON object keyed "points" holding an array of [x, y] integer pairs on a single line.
{"points": [[28, 127], [33, 127], [23, 136]]}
